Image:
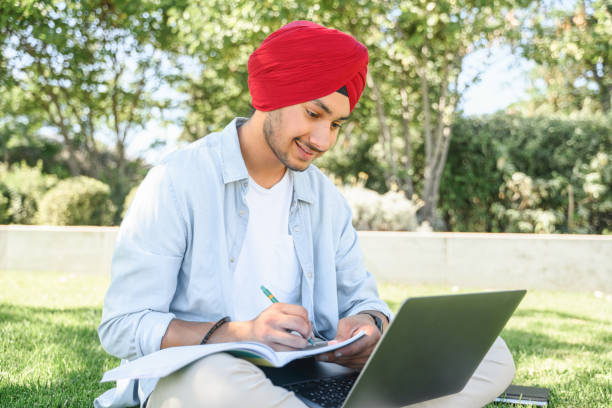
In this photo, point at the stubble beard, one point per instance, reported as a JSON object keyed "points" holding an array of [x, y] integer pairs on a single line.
{"points": [[271, 138]]}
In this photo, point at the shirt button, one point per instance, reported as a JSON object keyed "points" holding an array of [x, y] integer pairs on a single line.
{"points": [[241, 212], [232, 260], [309, 275], [245, 184], [297, 229]]}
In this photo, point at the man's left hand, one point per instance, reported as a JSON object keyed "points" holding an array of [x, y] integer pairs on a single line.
{"points": [[355, 354]]}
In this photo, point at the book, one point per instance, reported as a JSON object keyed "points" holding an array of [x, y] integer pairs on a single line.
{"points": [[164, 362], [521, 395]]}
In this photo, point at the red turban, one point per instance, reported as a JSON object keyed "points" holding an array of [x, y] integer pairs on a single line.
{"points": [[303, 61]]}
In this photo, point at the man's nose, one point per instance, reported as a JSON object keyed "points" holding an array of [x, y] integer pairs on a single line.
{"points": [[321, 137]]}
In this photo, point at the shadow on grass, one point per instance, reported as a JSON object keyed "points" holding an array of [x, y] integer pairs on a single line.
{"points": [[546, 314], [543, 345], [51, 357]]}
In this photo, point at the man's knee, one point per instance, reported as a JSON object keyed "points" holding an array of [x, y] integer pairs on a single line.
{"points": [[217, 380], [220, 380], [502, 361]]}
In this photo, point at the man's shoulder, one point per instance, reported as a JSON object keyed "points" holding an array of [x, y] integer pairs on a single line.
{"points": [[202, 154], [205, 145]]}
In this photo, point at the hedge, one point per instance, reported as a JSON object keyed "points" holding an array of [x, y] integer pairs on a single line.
{"points": [[528, 174], [77, 201]]}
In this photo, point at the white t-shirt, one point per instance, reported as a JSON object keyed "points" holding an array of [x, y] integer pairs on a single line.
{"points": [[268, 256]]}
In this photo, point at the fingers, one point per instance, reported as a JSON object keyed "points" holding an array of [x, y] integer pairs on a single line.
{"points": [[361, 346], [356, 360], [290, 309], [283, 326], [356, 354], [287, 341], [294, 318]]}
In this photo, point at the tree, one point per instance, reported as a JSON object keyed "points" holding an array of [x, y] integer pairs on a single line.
{"points": [[573, 52], [416, 54], [426, 44], [220, 36], [88, 71]]}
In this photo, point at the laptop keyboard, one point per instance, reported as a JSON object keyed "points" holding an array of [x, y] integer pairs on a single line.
{"points": [[328, 392]]}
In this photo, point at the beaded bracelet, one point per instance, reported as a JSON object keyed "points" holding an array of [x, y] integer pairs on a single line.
{"points": [[215, 327]]}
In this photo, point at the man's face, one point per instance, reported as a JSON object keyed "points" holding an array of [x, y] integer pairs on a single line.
{"points": [[298, 134]]}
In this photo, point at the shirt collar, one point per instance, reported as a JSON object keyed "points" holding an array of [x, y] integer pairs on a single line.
{"points": [[234, 168], [233, 165], [302, 187]]}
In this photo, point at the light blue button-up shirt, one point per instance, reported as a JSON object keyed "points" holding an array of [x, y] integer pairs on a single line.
{"points": [[179, 243]]}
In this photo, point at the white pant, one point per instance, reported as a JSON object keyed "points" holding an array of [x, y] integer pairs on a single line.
{"points": [[221, 380]]}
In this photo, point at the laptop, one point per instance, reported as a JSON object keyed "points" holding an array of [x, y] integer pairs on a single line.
{"points": [[431, 349]]}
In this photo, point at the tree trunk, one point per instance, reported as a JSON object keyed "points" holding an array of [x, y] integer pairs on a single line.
{"points": [[438, 149], [570, 208], [59, 121], [384, 132], [408, 186]]}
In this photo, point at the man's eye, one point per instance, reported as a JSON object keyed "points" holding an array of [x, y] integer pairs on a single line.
{"points": [[311, 114], [336, 125]]}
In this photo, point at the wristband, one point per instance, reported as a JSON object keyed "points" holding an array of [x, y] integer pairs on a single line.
{"points": [[377, 320], [215, 327]]}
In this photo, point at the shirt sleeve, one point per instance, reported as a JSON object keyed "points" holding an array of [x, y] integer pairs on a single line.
{"points": [[357, 290], [148, 254]]}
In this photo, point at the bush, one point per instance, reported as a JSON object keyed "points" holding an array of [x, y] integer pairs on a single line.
{"points": [[508, 173], [128, 200], [21, 190], [391, 211], [77, 201], [4, 205]]}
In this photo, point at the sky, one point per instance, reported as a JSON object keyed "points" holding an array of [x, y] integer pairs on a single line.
{"points": [[503, 81]]}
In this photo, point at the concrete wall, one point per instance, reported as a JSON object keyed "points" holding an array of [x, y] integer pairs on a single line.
{"points": [[572, 262], [67, 249]]}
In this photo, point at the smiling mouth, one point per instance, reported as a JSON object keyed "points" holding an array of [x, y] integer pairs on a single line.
{"points": [[306, 151]]}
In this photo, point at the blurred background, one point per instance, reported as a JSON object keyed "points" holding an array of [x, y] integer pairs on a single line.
{"points": [[479, 116]]}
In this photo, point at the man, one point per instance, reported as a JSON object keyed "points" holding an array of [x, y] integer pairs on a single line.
{"points": [[240, 209]]}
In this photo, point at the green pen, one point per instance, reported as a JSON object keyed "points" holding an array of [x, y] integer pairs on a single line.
{"points": [[273, 299]]}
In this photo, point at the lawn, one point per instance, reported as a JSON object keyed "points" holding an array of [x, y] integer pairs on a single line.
{"points": [[50, 355]]}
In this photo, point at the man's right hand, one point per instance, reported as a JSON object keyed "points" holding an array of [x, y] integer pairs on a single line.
{"points": [[277, 326]]}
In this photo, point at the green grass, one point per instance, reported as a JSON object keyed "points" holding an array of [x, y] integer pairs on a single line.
{"points": [[50, 355]]}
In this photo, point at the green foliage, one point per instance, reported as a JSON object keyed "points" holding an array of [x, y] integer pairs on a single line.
{"points": [[372, 211], [355, 153], [18, 133], [93, 72], [128, 200], [508, 173], [21, 191], [4, 205], [570, 43], [594, 211], [90, 73], [77, 201], [220, 36], [416, 51], [519, 209]]}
